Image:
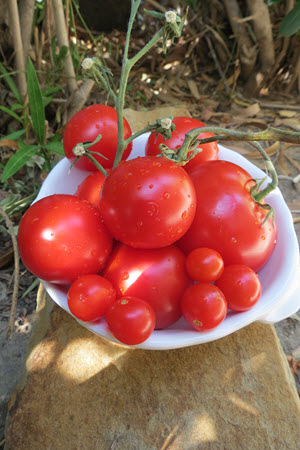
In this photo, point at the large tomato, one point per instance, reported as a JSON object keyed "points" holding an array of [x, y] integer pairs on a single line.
{"points": [[157, 276], [86, 125], [209, 152], [227, 218], [62, 237], [148, 202]]}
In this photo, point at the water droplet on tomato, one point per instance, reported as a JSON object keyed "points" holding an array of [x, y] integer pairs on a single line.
{"points": [[150, 186], [233, 240], [157, 164], [166, 195], [275, 242], [152, 209], [125, 276], [138, 186], [263, 238], [97, 126], [184, 215]]}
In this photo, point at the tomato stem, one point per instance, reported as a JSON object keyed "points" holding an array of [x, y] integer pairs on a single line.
{"points": [[97, 164]]}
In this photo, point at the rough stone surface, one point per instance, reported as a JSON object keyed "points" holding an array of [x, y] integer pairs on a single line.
{"points": [[82, 391]]}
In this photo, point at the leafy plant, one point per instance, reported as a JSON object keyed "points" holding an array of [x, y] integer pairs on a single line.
{"points": [[291, 22], [37, 118]]}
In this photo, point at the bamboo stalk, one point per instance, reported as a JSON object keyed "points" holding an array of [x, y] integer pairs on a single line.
{"points": [[62, 37]]}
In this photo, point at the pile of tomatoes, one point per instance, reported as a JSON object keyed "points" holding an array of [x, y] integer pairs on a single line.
{"points": [[153, 240]]}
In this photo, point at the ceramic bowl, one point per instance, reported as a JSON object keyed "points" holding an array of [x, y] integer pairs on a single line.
{"points": [[279, 277]]}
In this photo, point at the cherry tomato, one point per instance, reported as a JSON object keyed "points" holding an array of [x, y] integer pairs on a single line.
{"points": [[204, 264], [61, 238], [157, 276], [148, 202], [227, 218], [89, 189], [85, 126], [209, 151], [203, 306], [241, 287], [130, 320], [90, 297]]}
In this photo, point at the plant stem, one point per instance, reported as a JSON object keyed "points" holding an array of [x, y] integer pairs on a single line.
{"points": [[126, 68], [139, 133], [259, 196], [222, 134], [97, 164]]}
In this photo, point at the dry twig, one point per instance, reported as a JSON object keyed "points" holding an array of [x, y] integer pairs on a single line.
{"points": [[16, 274]]}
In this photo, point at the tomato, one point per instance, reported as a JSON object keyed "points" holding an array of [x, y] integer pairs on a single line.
{"points": [[203, 306], [85, 126], [227, 218], [204, 264], [61, 238], [90, 297], [148, 202], [157, 276], [130, 320], [89, 189], [209, 151], [241, 287]]}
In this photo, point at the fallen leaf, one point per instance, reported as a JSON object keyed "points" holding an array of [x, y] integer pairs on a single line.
{"points": [[9, 143], [194, 89], [287, 113]]}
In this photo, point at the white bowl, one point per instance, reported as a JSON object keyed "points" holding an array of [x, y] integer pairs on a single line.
{"points": [[279, 277]]}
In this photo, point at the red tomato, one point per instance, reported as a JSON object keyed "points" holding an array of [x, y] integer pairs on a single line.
{"points": [[241, 287], [85, 126], [227, 218], [61, 238], [209, 152], [204, 264], [203, 306], [89, 189], [157, 276], [148, 202], [130, 320], [90, 297]]}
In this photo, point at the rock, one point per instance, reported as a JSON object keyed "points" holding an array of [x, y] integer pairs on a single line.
{"points": [[82, 391]]}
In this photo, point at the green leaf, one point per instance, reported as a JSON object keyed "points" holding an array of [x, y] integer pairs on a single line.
{"points": [[291, 23], [9, 80], [33, 285], [13, 136], [18, 160], [272, 2], [35, 100], [56, 147], [11, 113]]}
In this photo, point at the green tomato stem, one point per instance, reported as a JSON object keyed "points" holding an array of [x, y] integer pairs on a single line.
{"points": [[88, 155], [126, 68]]}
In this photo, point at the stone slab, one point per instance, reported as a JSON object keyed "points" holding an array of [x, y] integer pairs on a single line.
{"points": [[81, 391]]}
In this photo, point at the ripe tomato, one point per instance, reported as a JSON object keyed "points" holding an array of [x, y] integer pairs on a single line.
{"points": [[130, 320], [203, 306], [90, 297], [89, 189], [227, 218], [209, 152], [241, 287], [204, 264], [61, 238], [148, 202], [85, 126], [157, 276]]}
